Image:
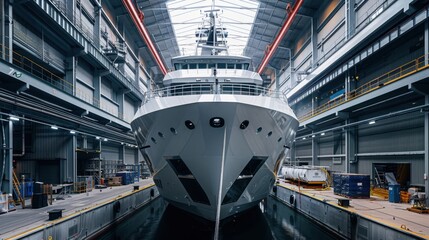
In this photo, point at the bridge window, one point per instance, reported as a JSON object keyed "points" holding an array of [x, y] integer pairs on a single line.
{"points": [[202, 66], [177, 66], [192, 66], [221, 65], [212, 65], [185, 66], [230, 66], [239, 66]]}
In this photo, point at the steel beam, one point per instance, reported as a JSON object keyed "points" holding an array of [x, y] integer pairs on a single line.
{"points": [[279, 37], [137, 17]]}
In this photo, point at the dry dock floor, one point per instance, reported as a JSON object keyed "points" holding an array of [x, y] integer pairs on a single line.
{"points": [[21, 220], [394, 215]]}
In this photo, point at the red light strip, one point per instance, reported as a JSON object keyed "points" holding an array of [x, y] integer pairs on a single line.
{"points": [[144, 33], [279, 37]]}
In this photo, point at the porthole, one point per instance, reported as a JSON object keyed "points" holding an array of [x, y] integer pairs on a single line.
{"points": [[217, 122], [244, 124], [189, 124], [153, 140], [259, 130], [173, 131], [269, 134], [160, 134], [279, 139]]}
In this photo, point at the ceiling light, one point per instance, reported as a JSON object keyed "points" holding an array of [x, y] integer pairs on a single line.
{"points": [[304, 138], [322, 134], [371, 122], [54, 127], [13, 118], [105, 139], [97, 138], [313, 136], [72, 132]]}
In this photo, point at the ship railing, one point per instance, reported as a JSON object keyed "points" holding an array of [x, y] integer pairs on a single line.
{"points": [[221, 88]]}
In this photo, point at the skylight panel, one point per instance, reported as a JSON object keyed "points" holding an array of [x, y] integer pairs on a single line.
{"points": [[236, 16]]}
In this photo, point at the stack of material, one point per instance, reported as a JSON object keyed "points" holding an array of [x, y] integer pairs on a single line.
{"points": [[114, 181], [89, 182], [127, 177], [352, 185]]}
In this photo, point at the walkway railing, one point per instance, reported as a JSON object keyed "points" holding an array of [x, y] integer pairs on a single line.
{"points": [[383, 80], [210, 88], [54, 80]]}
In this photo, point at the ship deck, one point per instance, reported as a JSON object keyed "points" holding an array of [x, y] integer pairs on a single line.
{"points": [[394, 215], [21, 220]]}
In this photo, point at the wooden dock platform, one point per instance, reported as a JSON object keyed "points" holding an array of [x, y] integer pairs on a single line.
{"points": [[394, 215], [22, 220]]}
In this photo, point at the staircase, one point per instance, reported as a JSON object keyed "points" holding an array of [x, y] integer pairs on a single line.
{"points": [[17, 190], [379, 175]]}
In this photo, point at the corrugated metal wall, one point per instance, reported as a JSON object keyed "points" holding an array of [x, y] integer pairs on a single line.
{"points": [[129, 109], [110, 153], [130, 156], [404, 133]]}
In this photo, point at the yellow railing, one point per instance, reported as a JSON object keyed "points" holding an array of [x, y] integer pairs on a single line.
{"points": [[383, 80]]}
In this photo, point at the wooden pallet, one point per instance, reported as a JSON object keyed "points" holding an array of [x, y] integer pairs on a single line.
{"points": [[418, 210]]}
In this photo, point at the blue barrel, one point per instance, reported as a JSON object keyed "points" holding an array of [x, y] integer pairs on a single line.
{"points": [[394, 195]]}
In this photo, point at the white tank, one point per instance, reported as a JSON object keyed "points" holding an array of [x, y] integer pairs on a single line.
{"points": [[308, 174]]}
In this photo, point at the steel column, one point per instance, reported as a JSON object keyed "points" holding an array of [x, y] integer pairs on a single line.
{"points": [[314, 54], [315, 151], [6, 140], [73, 163], [426, 40], [426, 142], [97, 88], [97, 26], [351, 148], [7, 33]]}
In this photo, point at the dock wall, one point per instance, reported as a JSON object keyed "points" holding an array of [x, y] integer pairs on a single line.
{"points": [[340, 220], [90, 221]]}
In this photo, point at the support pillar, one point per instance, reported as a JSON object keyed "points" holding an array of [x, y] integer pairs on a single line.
{"points": [[6, 30], [350, 18], [70, 7], [6, 156], [97, 25], [351, 148], [122, 153], [315, 151], [120, 100], [314, 44], [71, 72], [426, 41], [293, 153], [426, 143], [72, 163], [97, 88]]}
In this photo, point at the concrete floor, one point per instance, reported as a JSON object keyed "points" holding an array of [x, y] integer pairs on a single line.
{"points": [[394, 215], [21, 220]]}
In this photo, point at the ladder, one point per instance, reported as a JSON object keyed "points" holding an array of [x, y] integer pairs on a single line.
{"points": [[379, 178], [17, 189]]}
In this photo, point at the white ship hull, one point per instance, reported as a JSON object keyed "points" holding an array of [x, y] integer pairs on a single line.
{"points": [[189, 165]]}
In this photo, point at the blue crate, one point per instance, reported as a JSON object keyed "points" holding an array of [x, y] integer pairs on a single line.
{"points": [[26, 189], [352, 185]]}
